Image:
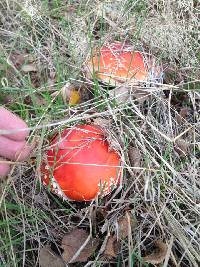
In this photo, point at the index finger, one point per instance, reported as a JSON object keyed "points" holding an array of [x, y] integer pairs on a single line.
{"points": [[10, 122]]}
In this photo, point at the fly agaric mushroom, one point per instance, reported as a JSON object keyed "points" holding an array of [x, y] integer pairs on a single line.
{"points": [[80, 164], [117, 63]]}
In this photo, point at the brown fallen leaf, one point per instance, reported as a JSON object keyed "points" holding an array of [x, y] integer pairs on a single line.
{"points": [[125, 223], [29, 68], [49, 259], [73, 242], [158, 255], [135, 158], [112, 247], [17, 59], [182, 115], [20, 58], [181, 147]]}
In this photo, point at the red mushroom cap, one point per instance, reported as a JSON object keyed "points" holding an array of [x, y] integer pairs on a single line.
{"points": [[117, 63], [80, 165]]}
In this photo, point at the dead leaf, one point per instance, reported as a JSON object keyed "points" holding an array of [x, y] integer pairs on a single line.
{"points": [[182, 115], [17, 59], [49, 259], [123, 226], [135, 158], [181, 147], [112, 247], [159, 254], [125, 223], [73, 241], [29, 68], [184, 112]]}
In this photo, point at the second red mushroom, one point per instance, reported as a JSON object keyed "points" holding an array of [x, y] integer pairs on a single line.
{"points": [[80, 166]]}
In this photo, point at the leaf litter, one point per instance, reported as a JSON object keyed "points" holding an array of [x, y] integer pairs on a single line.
{"points": [[181, 147], [78, 246], [183, 113], [125, 225], [111, 247], [159, 253], [29, 68], [49, 259], [74, 242]]}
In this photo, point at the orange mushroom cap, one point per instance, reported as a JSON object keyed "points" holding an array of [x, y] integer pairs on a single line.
{"points": [[80, 165], [117, 63]]}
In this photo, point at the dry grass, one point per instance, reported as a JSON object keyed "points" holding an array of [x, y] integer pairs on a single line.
{"points": [[163, 194]]}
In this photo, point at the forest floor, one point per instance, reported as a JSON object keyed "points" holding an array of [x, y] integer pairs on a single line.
{"points": [[153, 220]]}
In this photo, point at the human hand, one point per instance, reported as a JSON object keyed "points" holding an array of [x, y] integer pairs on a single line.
{"points": [[13, 145]]}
